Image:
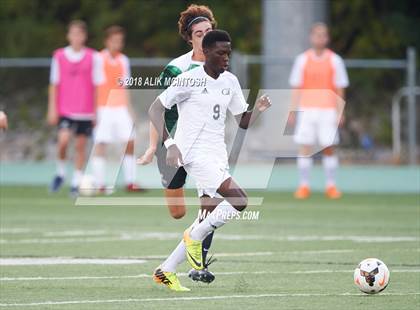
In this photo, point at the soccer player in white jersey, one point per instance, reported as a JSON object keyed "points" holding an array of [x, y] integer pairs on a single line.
{"points": [[322, 70], [203, 96], [193, 24]]}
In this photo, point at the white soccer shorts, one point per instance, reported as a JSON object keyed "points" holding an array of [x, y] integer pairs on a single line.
{"points": [[317, 126], [208, 172], [114, 125]]}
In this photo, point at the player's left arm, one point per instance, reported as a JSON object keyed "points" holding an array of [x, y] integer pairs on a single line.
{"points": [[341, 92], [341, 81], [248, 118], [239, 107]]}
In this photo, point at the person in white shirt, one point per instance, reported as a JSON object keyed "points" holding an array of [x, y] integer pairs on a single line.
{"points": [[203, 96]]}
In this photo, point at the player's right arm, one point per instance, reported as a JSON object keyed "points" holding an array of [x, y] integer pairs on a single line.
{"points": [[168, 73], [295, 81], [173, 95], [52, 115], [157, 117]]}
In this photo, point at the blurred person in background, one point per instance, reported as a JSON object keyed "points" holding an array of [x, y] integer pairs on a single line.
{"points": [[75, 73], [114, 123], [318, 68]]}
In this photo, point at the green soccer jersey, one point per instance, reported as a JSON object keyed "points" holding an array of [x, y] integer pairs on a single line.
{"points": [[173, 69]]}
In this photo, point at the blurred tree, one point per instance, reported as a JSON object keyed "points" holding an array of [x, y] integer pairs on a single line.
{"points": [[359, 28], [33, 28], [374, 29]]}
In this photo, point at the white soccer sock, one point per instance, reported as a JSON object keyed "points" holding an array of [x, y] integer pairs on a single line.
{"points": [[304, 166], [61, 168], [77, 178], [177, 256], [98, 165], [220, 216], [330, 164], [129, 165]]}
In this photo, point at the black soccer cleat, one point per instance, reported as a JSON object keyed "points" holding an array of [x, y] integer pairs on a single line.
{"points": [[203, 275]]}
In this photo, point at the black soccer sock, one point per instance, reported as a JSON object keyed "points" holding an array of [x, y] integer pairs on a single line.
{"points": [[206, 245]]}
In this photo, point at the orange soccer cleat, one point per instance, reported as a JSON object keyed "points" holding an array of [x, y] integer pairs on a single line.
{"points": [[303, 192], [332, 192]]}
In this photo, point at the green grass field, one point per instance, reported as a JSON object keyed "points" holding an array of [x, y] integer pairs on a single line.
{"points": [[297, 255]]}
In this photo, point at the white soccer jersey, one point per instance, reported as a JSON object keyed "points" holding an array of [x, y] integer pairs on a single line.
{"points": [[202, 106]]}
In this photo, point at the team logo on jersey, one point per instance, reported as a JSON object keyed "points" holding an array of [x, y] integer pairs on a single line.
{"points": [[205, 91], [226, 91]]}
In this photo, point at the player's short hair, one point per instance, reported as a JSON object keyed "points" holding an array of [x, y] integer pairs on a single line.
{"points": [[192, 15], [214, 36], [79, 24], [319, 24], [114, 29]]}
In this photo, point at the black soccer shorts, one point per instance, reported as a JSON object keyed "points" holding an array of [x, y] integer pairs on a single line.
{"points": [[79, 127]]}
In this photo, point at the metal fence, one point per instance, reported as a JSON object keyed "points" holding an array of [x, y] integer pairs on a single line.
{"points": [[241, 63]]}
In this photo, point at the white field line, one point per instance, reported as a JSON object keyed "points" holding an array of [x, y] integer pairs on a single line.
{"points": [[133, 236], [192, 298], [19, 261], [183, 274], [14, 230], [164, 256], [348, 271], [147, 201], [40, 261], [264, 253], [77, 278], [261, 253], [29, 261], [76, 233]]}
